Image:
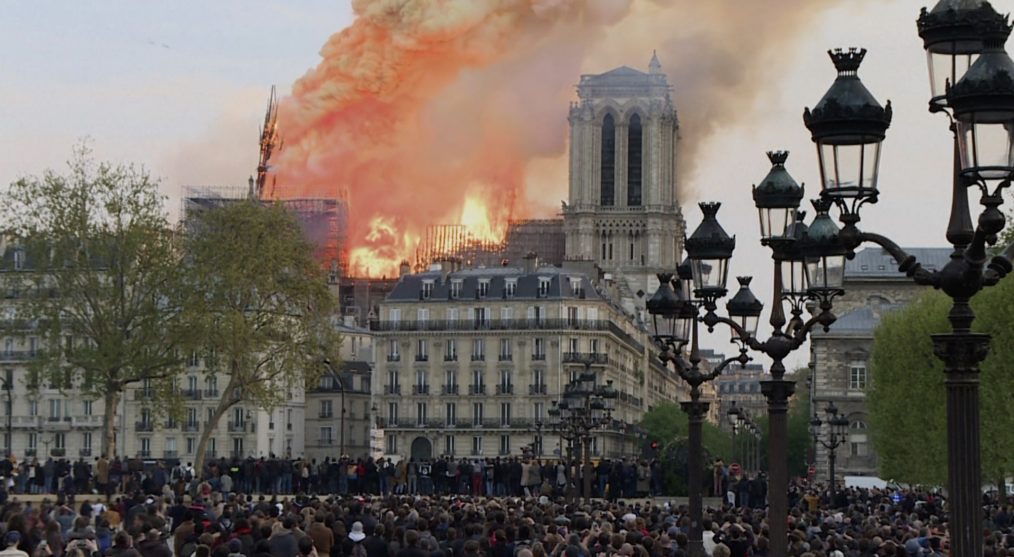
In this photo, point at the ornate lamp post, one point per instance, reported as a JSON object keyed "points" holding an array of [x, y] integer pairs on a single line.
{"points": [[675, 316], [848, 125], [585, 407], [838, 426]]}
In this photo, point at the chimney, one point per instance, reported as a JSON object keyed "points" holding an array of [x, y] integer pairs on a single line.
{"points": [[531, 262], [349, 320], [404, 268]]}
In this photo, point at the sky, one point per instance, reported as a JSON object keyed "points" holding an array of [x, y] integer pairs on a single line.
{"points": [[180, 88]]}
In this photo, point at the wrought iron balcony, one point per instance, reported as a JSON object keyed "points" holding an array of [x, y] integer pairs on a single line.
{"points": [[144, 426], [594, 358], [537, 389], [505, 389], [420, 389], [449, 389], [392, 389], [477, 389]]}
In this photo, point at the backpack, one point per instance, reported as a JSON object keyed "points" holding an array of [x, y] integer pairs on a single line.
{"points": [[358, 550]]}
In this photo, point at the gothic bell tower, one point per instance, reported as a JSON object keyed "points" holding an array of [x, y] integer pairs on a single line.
{"points": [[622, 211]]}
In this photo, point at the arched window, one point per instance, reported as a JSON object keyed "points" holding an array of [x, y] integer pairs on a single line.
{"points": [[608, 178], [634, 159]]}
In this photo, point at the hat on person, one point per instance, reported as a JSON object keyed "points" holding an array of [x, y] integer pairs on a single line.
{"points": [[357, 534], [12, 538]]}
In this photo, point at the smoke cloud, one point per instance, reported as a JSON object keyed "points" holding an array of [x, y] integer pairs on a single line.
{"points": [[423, 110]]}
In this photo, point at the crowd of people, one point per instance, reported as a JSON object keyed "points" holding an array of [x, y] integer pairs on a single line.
{"points": [[271, 476], [206, 519]]}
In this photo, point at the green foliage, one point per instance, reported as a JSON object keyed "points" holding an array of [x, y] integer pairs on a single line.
{"points": [[669, 425], [99, 285], [907, 398], [260, 304]]}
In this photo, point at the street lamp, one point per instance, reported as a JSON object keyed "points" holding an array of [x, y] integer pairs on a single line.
{"points": [[848, 126], [585, 407], [734, 414], [341, 420], [838, 426]]}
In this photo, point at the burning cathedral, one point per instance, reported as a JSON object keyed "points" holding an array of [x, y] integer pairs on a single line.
{"points": [[622, 211]]}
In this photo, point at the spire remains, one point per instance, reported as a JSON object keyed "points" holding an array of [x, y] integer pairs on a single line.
{"points": [[654, 67]]}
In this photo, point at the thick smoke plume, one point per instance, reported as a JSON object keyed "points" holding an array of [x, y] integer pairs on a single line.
{"points": [[433, 111]]}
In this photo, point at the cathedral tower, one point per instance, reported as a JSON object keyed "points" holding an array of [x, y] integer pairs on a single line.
{"points": [[623, 211]]}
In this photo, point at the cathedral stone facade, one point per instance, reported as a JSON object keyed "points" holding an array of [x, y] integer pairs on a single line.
{"points": [[623, 212]]}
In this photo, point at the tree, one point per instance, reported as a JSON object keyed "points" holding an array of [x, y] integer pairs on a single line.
{"points": [[99, 280], [668, 424], [260, 302], [907, 398]]}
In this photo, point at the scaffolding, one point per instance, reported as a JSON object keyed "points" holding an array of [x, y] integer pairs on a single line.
{"points": [[444, 242]]}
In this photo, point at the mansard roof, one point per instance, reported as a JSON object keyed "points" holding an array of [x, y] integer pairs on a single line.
{"points": [[410, 287], [861, 321], [876, 263]]}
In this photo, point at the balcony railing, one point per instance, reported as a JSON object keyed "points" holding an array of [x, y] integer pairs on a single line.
{"points": [[477, 389], [422, 358], [170, 454], [449, 389], [144, 394], [143, 454], [192, 394], [506, 357], [324, 415], [210, 393], [17, 355], [144, 426], [450, 357], [86, 421], [85, 452], [191, 426], [593, 358], [537, 389], [420, 389], [394, 357], [236, 427], [478, 357], [392, 389], [504, 389], [506, 325], [170, 424], [539, 357]]}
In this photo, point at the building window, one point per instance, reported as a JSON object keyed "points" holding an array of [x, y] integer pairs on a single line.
{"points": [[573, 344], [593, 345], [421, 386], [477, 382], [422, 315], [506, 386], [55, 405], [191, 445], [420, 413], [483, 287], [326, 436], [170, 446], [392, 444], [33, 441], [505, 350], [451, 350], [505, 414], [506, 316], [33, 408], [505, 444], [451, 413], [194, 360], [427, 289], [145, 446], [87, 408], [60, 441], [544, 287], [478, 349], [539, 349], [86, 441], [857, 376], [607, 169], [449, 445], [480, 318], [422, 350], [393, 355], [476, 414], [326, 409], [392, 412], [392, 381], [571, 316], [19, 259], [476, 445], [539, 411], [510, 287], [456, 288], [634, 159]]}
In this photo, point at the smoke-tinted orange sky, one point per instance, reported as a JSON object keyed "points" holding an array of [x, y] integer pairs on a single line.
{"points": [[423, 106], [180, 87]]}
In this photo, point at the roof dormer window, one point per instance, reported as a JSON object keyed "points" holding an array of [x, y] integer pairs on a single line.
{"points": [[544, 286], [575, 286], [19, 259], [510, 287], [483, 287], [427, 289], [456, 288]]}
